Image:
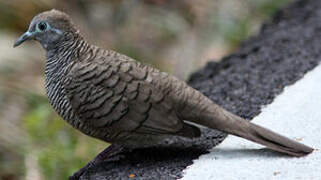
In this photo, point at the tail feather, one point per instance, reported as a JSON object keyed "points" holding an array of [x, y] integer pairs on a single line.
{"points": [[227, 122], [276, 141]]}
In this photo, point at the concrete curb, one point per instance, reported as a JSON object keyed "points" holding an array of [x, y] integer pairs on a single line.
{"points": [[295, 113]]}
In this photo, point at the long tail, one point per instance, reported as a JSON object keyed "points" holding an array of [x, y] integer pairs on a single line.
{"points": [[227, 122], [276, 141]]}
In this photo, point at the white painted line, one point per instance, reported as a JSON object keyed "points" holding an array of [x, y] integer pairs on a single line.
{"points": [[295, 113]]}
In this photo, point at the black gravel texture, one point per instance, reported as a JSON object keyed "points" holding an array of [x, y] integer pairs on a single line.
{"points": [[286, 48]]}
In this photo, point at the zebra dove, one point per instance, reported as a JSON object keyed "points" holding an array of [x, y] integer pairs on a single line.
{"points": [[116, 99]]}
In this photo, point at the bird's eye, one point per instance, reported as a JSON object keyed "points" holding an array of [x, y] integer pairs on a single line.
{"points": [[42, 26]]}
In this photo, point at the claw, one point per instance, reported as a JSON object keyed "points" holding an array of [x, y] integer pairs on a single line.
{"points": [[111, 153]]}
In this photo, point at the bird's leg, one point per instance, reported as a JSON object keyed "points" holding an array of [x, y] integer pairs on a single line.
{"points": [[107, 155]]}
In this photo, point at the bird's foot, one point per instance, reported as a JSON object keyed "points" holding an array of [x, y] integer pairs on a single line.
{"points": [[108, 155], [80, 172]]}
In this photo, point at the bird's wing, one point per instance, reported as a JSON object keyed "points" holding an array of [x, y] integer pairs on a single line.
{"points": [[121, 94]]}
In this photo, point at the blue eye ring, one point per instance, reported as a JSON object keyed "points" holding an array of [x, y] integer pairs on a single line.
{"points": [[42, 26]]}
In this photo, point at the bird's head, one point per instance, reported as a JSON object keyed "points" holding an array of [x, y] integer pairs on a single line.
{"points": [[49, 28]]}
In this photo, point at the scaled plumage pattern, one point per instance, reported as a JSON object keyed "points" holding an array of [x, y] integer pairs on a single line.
{"points": [[116, 99]]}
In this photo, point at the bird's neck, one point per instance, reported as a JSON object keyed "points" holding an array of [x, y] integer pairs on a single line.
{"points": [[60, 58], [71, 46], [59, 61], [65, 52]]}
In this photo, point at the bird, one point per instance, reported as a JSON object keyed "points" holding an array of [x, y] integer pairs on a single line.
{"points": [[114, 98]]}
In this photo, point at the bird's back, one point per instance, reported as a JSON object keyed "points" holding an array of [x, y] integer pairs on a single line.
{"points": [[114, 98]]}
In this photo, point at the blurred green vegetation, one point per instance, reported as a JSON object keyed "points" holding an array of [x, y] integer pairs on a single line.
{"points": [[60, 151], [175, 36]]}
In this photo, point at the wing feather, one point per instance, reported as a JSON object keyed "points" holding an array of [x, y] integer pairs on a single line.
{"points": [[103, 94]]}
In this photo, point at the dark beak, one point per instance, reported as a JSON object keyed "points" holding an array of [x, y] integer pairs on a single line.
{"points": [[26, 36]]}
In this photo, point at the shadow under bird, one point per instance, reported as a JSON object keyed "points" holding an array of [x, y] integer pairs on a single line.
{"points": [[114, 98]]}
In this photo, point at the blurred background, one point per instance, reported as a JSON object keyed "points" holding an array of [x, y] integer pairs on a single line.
{"points": [[175, 36]]}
